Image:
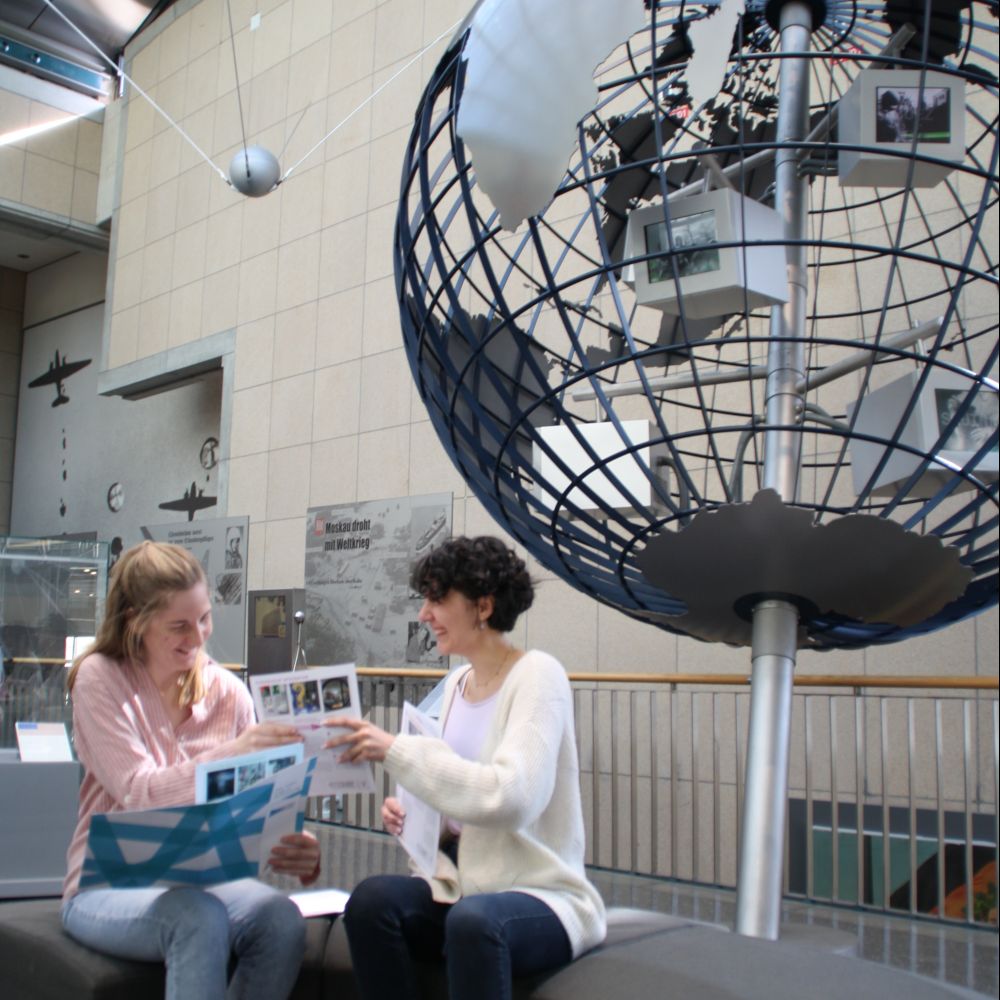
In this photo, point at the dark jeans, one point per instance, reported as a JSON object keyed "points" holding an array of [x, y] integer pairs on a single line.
{"points": [[392, 922]]}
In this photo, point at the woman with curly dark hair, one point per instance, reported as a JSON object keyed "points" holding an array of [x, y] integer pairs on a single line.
{"points": [[509, 896]]}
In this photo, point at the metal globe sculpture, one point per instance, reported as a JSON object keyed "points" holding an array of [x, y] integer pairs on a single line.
{"points": [[736, 356], [254, 171]]}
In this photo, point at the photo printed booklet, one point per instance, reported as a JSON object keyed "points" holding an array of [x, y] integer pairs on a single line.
{"points": [[422, 827], [219, 841], [306, 699], [217, 779]]}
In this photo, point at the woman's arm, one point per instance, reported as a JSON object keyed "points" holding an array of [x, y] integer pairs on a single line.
{"points": [[508, 791], [110, 743], [296, 854]]}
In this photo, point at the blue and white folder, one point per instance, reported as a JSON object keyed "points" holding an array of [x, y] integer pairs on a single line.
{"points": [[200, 844]]}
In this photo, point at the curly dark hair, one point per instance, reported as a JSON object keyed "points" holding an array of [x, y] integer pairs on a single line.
{"points": [[477, 567]]}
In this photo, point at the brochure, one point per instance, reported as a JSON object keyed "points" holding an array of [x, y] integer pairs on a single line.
{"points": [[42, 741], [306, 699], [320, 902], [218, 779], [422, 827], [202, 844]]}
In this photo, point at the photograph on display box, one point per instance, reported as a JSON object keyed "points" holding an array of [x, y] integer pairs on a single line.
{"points": [[690, 232], [978, 422], [903, 114]]}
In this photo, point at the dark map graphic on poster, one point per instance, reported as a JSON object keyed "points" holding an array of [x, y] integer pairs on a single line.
{"points": [[359, 606], [214, 544]]}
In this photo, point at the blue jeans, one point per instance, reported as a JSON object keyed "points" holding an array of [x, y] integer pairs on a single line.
{"points": [[392, 922], [199, 934]]}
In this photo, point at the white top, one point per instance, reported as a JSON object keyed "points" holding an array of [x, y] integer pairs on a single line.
{"points": [[519, 803], [464, 731], [465, 727]]}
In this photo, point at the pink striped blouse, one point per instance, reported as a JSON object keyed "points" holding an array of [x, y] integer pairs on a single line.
{"points": [[132, 756]]}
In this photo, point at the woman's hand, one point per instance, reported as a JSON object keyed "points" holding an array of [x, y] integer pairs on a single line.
{"points": [[262, 735], [364, 741], [393, 816], [296, 854]]}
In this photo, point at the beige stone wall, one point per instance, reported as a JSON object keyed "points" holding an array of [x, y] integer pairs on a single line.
{"points": [[54, 173], [323, 407]]}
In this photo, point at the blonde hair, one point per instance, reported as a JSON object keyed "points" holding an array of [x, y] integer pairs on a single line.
{"points": [[142, 582]]}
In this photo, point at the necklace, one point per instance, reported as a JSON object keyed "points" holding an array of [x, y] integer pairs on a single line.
{"points": [[484, 685]]}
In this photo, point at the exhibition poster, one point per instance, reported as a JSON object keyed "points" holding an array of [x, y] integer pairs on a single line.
{"points": [[220, 545], [199, 844], [307, 699], [422, 828], [359, 605]]}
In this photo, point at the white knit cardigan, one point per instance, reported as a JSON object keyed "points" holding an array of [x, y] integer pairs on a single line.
{"points": [[519, 804]]}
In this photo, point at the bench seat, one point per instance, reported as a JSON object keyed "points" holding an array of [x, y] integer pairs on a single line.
{"points": [[646, 954], [41, 962]]}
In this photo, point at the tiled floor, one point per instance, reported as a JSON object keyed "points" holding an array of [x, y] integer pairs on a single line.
{"points": [[955, 954], [952, 953]]}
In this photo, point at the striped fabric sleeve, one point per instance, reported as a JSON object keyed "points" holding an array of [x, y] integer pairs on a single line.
{"points": [[131, 760]]}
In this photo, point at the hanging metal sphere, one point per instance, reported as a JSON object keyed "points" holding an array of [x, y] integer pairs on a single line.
{"points": [[254, 171]]}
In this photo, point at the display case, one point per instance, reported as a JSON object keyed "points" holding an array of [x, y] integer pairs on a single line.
{"points": [[877, 415], [51, 598], [712, 278], [889, 114]]}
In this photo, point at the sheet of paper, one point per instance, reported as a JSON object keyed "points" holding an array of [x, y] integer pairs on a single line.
{"points": [[202, 844], [306, 699], [283, 816], [319, 902], [422, 826], [43, 741], [216, 779]]}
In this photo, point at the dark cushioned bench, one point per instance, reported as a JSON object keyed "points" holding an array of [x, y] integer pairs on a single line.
{"points": [[646, 954], [40, 962]]}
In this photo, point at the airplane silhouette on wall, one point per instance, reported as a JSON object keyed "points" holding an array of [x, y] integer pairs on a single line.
{"points": [[193, 500], [59, 371]]}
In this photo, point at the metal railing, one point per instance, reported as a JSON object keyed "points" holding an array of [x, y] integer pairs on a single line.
{"points": [[892, 785]]}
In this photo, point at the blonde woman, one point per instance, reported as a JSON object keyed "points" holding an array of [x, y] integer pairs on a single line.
{"points": [[148, 705]]}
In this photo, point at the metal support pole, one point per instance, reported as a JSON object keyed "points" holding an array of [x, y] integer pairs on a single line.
{"points": [[775, 622], [786, 351], [758, 898]]}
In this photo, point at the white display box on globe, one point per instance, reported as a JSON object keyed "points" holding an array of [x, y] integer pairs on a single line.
{"points": [[879, 412], [884, 111], [713, 280], [630, 470]]}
